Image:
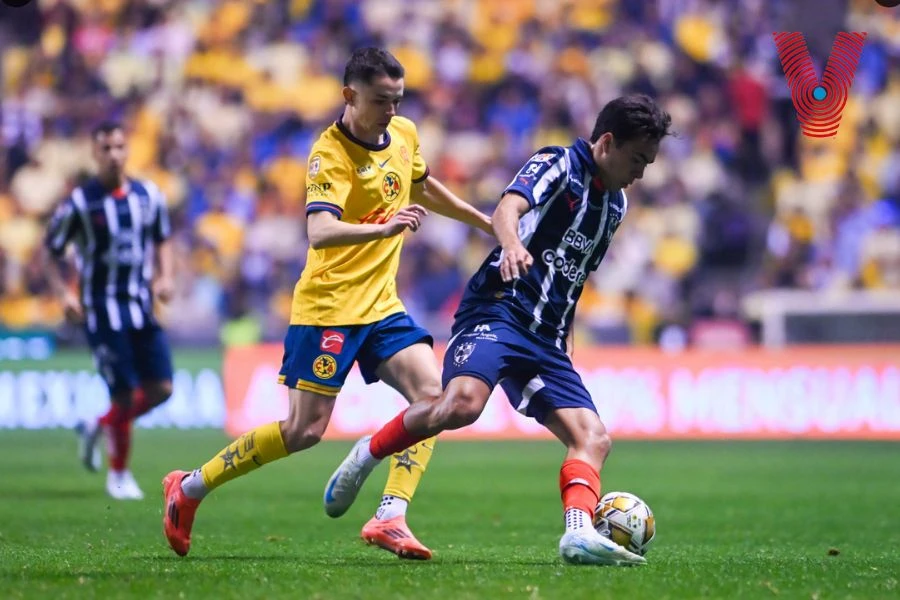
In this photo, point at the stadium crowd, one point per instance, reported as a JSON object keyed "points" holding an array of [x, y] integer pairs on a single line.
{"points": [[223, 100]]}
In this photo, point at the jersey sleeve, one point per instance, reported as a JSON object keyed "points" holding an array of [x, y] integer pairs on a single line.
{"points": [[63, 226], [162, 227], [420, 170], [328, 182], [541, 176]]}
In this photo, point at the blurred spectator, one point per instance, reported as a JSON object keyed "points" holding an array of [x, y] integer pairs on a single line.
{"points": [[224, 98]]}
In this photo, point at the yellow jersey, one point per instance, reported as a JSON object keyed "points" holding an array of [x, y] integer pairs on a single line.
{"points": [[358, 183]]}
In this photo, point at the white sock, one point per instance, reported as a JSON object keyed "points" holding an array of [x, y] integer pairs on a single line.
{"points": [[577, 519], [192, 485], [390, 507], [364, 454]]}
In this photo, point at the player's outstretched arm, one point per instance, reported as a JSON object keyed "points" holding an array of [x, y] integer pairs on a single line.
{"points": [[434, 195], [325, 230], [516, 260]]}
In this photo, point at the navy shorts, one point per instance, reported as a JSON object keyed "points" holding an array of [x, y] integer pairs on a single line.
{"points": [[537, 376], [318, 359], [128, 357]]}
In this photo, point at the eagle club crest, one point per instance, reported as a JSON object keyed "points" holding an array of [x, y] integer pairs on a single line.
{"points": [[462, 353], [390, 186]]}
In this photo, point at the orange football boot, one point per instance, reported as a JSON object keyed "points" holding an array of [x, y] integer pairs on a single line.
{"points": [[394, 536], [178, 513]]}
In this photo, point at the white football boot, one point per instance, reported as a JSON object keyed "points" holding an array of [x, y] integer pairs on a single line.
{"points": [[122, 486], [345, 483], [587, 547]]}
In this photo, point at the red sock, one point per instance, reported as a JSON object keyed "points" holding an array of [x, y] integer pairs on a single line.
{"points": [[112, 415], [118, 426], [579, 485], [393, 438], [139, 404]]}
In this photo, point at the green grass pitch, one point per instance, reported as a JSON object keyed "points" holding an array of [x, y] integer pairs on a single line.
{"points": [[736, 520]]}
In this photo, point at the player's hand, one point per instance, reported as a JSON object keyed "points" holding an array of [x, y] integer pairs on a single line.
{"points": [[408, 218], [163, 288], [515, 263], [72, 307]]}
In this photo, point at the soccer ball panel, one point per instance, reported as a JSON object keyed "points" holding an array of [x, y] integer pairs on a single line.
{"points": [[627, 520], [649, 528]]}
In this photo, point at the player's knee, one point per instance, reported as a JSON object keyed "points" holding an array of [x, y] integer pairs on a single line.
{"points": [[464, 408], [598, 444], [159, 392]]}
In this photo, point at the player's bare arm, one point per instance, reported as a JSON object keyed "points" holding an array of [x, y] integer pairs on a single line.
{"points": [[516, 259], [164, 286], [62, 289], [434, 195], [325, 230]]}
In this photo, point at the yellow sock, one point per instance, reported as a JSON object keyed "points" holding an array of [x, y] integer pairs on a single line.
{"points": [[247, 453], [407, 468]]}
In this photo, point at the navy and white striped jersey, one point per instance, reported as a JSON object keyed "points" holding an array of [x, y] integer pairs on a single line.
{"points": [[567, 231], [115, 233]]}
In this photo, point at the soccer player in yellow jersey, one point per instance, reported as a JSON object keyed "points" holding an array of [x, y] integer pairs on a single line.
{"points": [[363, 172]]}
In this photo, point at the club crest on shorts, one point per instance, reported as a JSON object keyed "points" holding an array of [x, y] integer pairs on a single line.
{"points": [[324, 367], [462, 353]]}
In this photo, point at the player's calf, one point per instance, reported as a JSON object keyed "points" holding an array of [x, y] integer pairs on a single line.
{"points": [[461, 404]]}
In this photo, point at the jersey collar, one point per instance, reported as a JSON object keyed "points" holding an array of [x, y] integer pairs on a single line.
{"points": [[118, 193], [582, 150], [374, 147]]}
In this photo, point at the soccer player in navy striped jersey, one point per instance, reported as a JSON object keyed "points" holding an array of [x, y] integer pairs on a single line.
{"points": [[120, 228], [554, 222]]}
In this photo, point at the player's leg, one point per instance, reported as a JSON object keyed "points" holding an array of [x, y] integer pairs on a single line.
{"points": [[557, 398], [470, 372], [314, 378], [115, 361], [413, 371], [308, 416], [397, 351], [153, 360], [90, 431]]}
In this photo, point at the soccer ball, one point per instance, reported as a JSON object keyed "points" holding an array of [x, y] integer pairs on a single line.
{"points": [[627, 520]]}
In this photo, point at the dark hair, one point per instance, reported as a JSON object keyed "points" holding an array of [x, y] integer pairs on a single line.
{"points": [[105, 128], [367, 63], [635, 116]]}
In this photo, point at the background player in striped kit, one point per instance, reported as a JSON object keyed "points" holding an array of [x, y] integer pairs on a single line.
{"points": [[554, 222], [119, 227]]}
